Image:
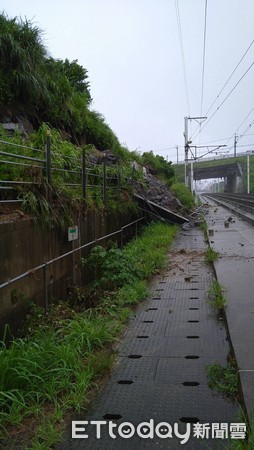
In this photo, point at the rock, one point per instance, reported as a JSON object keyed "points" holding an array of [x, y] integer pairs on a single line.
{"points": [[186, 226]]}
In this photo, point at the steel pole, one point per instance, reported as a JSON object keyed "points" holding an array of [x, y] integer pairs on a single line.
{"points": [[248, 174], [186, 148]]}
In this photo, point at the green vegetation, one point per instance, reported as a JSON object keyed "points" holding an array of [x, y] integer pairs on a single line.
{"points": [[183, 194], [203, 227], [216, 295], [66, 177], [242, 160], [243, 444], [50, 371], [223, 380], [56, 92], [55, 96], [46, 89], [158, 165], [211, 255]]}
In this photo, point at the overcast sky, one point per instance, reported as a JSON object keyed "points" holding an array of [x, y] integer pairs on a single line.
{"points": [[132, 51]]}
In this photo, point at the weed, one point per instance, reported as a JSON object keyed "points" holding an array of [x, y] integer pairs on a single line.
{"points": [[184, 195], [58, 213], [51, 369], [216, 295], [243, 444], [223, 380], [211, 255], [203, 227], [109, 268], [130, 294]]}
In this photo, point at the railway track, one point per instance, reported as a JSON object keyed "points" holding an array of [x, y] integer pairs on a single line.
{"points": [[241, 204]]}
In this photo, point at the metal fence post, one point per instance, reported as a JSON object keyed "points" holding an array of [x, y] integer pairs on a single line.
{"points": [[46, 287], [48, 165], [118, 179], [84, 173], [104, 187]]}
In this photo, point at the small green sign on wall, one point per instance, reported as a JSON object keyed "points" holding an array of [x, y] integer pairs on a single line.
{"points": [[72, 233]]}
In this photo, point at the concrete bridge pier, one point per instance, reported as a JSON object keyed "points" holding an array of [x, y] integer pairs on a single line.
{"points": [[231, 184]]}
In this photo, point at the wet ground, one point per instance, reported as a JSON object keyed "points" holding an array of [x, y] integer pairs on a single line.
{"points": [[233, 238], [159, 377]]}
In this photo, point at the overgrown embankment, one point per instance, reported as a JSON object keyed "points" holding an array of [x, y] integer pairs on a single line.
{"points": [[50, 371]]}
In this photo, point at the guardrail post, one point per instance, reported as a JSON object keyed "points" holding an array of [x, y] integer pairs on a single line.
{"points": [[104, 187], [48, 165], [84, 173], [46, 287], [118, 179]]}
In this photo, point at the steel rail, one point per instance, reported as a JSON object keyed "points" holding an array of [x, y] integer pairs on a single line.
{"points": [[13, 155], [21, 164], [22, 146]]}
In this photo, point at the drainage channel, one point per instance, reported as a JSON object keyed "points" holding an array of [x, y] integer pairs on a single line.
{"points": [[160, 374]]}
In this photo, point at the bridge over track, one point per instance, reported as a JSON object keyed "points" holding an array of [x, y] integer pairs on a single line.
{"points": [[229, 171]]}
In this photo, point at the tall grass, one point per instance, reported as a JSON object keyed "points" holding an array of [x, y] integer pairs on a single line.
{"points": [[51, 370]]}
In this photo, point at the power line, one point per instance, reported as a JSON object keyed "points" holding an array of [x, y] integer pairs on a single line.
{"points": [[243, 145], [252, 109], [236, 67], [245, 131], [222, 89], [216, 140], [203, 69], [222, 103], [234, 134], [182, 52]]}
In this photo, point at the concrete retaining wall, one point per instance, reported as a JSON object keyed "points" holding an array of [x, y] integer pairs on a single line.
{"points": [[25, 245]]}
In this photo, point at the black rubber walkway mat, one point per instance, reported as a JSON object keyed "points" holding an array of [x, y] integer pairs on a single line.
{"points": [[160, 371]]}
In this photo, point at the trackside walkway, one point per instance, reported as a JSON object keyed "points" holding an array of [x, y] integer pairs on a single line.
{"points": [[159, 376], [235, 271]]}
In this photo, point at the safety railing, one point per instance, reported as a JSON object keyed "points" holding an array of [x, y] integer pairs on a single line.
{"points": [[46, 265], [10, 158], [23, 167]]}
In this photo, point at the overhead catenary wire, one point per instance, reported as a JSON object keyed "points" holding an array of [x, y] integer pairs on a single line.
{"points": [[248, 115], [223, 87], [244, 133], [225, 99], [203, 66], [236, 67], [178, 20]]}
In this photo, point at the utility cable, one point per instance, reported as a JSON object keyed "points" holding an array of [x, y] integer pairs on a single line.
{"points": [[222, 89], [235, 133], [203, 69], [245, 131], [236, 67], [222, 103], [182, 53]]}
